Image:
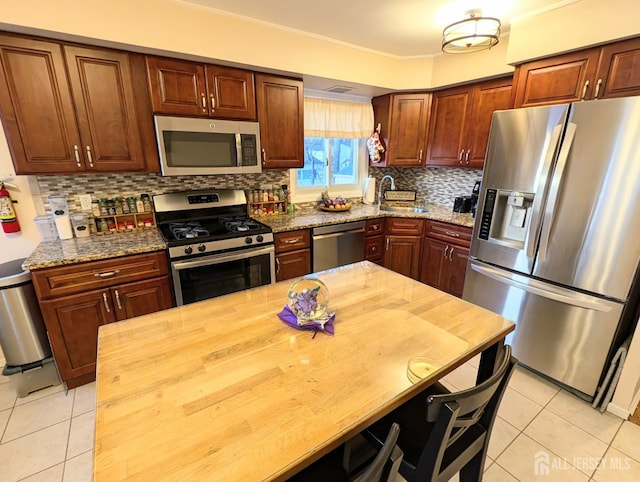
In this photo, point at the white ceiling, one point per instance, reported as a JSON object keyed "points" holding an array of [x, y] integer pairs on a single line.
{"points": [[402, 28]]}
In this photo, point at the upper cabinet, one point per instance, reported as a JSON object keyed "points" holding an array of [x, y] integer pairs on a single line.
{"points": [[72, 109], [403, 120], [281, 117], [460, 122], [602, 72], [180, 87]]}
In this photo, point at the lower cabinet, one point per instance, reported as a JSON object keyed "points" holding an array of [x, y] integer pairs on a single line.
{"points": [[293, 254], [73, 320], [402, 244], [444, 256], [374, 240]]}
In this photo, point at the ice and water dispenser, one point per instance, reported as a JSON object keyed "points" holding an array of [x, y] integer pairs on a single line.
{"points": [[506, 216]]}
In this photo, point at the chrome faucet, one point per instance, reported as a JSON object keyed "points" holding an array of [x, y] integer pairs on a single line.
{"points": [[393, 187]]}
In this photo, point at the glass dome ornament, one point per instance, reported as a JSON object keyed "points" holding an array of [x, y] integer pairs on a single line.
{"points": [[307, 303]]}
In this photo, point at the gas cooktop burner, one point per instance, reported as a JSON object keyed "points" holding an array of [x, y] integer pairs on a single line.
{"points": [[188, 230], [239, 224]]}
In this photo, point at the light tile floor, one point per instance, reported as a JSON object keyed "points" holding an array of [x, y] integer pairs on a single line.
{"points": [[542, 433]]}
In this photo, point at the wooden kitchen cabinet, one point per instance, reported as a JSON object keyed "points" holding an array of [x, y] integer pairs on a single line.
{"points": [[402, 245], [403, 120], [460, 122], [281, 118], [612, 70], [68, 109], [293, 254], [374, 240], [76, 299], [444, 256], [180, 87]]}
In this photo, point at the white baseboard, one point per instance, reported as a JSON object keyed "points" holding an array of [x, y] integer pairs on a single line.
{"points": [[618, 411]]}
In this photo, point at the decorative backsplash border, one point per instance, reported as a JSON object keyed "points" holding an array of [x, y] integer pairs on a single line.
{"points": [[432, 185]]}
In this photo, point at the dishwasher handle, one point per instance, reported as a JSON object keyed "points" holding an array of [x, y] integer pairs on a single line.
{"points": [[339, 233]]}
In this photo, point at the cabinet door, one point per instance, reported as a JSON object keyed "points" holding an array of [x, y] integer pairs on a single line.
{"points": [[450, 114], [487, 98], [373, 249], [408, 130], [103, 93], [619, 70], [177, 87], [72, 323], [142, 297], [293, 264], [557, 80], [433, 262], [231, 92], [280, 112], [402, 255], [36, 107], [458, 257]]}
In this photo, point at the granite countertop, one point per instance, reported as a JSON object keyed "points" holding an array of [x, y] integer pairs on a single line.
{"points": [[70, 251], [312, 218], [79, 250]]}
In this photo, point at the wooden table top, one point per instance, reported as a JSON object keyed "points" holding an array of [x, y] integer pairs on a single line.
{"points": [[224, 390]]}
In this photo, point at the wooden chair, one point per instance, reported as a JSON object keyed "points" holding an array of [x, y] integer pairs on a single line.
{"points": [[335, 467], [443, 433]]}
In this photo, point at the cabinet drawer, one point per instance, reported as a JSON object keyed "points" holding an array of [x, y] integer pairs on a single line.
{"points": [[93, 275], [404, 226], [374, 226], [452, 233], [292, 240], [373, 248]]}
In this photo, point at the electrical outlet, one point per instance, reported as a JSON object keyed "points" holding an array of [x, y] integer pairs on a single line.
{"points": [[85, 202]]}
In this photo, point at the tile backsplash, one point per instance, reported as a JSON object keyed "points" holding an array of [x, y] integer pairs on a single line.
{"points": [[433, 185]]}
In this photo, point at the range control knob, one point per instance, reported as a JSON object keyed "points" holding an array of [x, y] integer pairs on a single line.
{"points": [[248, 240], [259, 238], [188, 250], [202, 248]]}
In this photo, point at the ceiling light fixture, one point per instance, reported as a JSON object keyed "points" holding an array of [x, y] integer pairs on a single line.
{"points": [[472, 34]]}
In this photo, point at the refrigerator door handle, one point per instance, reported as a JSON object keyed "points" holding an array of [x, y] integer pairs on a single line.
{"points": [[534, 229], [549, 212], [542, 289]]}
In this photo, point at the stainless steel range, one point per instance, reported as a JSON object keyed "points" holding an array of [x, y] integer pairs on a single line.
{"points": [[215, 248]]}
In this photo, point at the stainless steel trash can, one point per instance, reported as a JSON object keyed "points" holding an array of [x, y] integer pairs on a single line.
{"points": [[23, 336]]}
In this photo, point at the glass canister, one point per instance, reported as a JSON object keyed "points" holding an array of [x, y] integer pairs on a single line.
{"points": [[80, 224], [59, 205]]}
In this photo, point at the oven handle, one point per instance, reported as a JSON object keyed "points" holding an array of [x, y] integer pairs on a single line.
{"points": [[221, 258]]}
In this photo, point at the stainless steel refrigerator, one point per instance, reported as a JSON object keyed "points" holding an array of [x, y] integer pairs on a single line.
{"points": [[556, 241]]}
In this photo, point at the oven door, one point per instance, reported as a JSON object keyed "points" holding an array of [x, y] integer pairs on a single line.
{"points": [[220, 274]]}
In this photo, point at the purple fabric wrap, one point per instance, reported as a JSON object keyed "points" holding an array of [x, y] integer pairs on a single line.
{"points": [[291, 319]]}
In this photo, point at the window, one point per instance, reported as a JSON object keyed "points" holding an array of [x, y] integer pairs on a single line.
{"points": [[335, 156]]}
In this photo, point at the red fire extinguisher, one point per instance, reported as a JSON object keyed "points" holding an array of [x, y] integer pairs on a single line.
{"points": [[8, 217]]}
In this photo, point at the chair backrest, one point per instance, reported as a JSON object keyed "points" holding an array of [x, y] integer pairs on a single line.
{"points": [[385, 465], [462, 423]]}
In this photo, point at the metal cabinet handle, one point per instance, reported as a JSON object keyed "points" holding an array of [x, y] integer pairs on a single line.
{"points": [[291, 241], [89, 156], [76, 152], [213, 103], [584, 89], [460, 156], [451, 253], [387, 248], [375, 227], [118, 300], [264, 156], [451, 233], [597, 91], [446, 248], [203, 100], [106, 274], [420, 156], [277, 265], [374, 248], [106, 302], [466, 157]]}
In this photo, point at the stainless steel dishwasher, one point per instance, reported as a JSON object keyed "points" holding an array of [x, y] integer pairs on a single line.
{"points": [[337, 245]]}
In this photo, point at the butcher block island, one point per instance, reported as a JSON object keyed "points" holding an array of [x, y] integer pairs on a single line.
{"points": [[224, 390]]}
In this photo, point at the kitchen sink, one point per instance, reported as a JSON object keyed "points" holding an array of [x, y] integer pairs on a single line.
{"points": [[403, 209]]}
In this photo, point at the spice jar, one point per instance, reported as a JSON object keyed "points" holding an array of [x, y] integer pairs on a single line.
{"points": [[103, 226], [95, 208], [139, 206], [102, 203], [146, 202], [111, 207], [132, 204], [125, 206], [118, 205]]}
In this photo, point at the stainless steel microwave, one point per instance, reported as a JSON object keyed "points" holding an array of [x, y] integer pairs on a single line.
{"points": [[197, 146]]}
